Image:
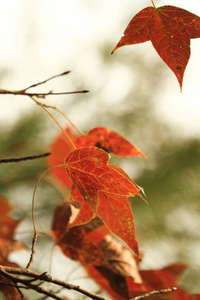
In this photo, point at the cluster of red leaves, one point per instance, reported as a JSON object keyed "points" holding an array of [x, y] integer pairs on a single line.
{"points": [[170, 29], [7, 245], [110, 263], [100, 188], [87, 239]]}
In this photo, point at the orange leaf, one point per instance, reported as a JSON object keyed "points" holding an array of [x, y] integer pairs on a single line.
{"points": [[93, 244], [164, 278], [110, 141], [115, 211], [175, 269], [7, 245], [85, 214], [59, 149], [76, 242], [101, 137], [8, 227], [90, 172], [170, 29], [105, 188], [119, 286]]}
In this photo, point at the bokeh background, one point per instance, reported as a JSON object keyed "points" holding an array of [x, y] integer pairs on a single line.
{"points": [[131, 92]]}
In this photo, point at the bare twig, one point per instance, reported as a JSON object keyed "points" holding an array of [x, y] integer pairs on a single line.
{"points": [[10, 160], [12, 274], [40, 95], [13, 285], [26, 284], [32, 251], [155, 292], [24, 92], [48, 79]]}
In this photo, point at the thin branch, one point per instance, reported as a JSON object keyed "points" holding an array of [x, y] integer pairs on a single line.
{"points": [[48, 79], [32, 250], [40, 277], [28, 285], [13, 285], [10, 273], [155, 292], [10, 160], [40, 95], [23, 92]]}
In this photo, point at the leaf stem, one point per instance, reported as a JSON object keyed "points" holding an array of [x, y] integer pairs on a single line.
{"points": [[66, 117], [65, 133], [34, 192], [153, 4]]}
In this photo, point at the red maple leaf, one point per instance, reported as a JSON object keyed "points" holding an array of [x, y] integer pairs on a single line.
{"points": [[114, 210], [170, 29], [112, 265], [7, 230], [117, 284], [76, 242], [166, 278], [59, 149], [124, 287], [7, 245], [105, 188], [100, 137], [95, 247], [110, 141]]}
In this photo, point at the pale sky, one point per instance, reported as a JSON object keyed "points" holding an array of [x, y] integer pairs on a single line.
{"points": [[43, 38]]}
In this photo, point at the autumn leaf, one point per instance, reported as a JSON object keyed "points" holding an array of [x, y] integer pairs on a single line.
{"points": [[84, 214], [92, 244], [110, 141], [170, 29], [101, 137], [124, 287], [7, 245], [109, 262], [166, 278], [105, 188], [90, 172], [114, 210], [117, 285], [59, 149], [76, 242], [8, 227], [176, 270]]}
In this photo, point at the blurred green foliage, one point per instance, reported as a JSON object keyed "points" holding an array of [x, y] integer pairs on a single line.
{"points": [[167, 228]]}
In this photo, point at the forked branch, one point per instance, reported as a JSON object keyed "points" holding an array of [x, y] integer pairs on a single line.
{"points": [[24, 92], [32, 280]]}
